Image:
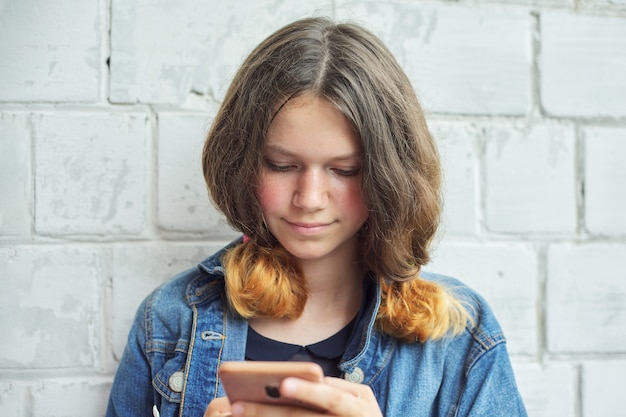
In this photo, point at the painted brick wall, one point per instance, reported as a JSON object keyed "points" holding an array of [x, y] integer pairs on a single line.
{"points": [[103, 108]]}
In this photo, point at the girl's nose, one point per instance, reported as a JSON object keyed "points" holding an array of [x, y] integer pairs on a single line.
{"points": [[311, 192]]}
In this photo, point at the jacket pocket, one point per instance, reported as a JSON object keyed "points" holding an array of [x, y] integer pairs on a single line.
{"points": [[169, 381]]}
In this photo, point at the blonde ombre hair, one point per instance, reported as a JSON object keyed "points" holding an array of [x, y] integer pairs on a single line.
{"points": [[350, 67]]}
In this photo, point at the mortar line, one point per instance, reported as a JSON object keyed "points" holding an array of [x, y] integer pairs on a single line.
{"points": [[579, 178], [33, 175], [542, 302], [535, 70], [578, 390], [152, 177], [481, 183], [106, 8]]}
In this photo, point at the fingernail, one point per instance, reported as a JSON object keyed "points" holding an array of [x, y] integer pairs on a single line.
{"points": [[289, 386], [237, 409]]}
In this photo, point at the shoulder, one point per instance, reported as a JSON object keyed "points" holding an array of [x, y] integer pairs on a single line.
{"points": [[483, 328], [169, 307], [190, 286], [479, 358]]}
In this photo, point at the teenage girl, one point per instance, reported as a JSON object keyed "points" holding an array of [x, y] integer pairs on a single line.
{"points": [[320, 156]]}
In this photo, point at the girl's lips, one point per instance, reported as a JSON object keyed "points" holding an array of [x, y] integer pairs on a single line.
{"points": [[308, 225], [308, 228]]}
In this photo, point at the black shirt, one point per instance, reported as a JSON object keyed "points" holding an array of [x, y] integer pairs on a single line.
{"points": [[327, 353]]}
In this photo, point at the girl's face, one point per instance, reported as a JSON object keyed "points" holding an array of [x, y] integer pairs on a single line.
{"points": [[310, 182]]}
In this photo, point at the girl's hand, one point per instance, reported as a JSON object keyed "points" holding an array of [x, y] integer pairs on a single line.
{"points": [[337, 396], [219, 407]]}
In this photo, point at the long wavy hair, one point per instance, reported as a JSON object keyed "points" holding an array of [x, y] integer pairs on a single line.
{"points": [[351, 68]]}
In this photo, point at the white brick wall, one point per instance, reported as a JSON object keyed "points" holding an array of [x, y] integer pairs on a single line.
{"points": [[548, 390], [15, 175], [603, 387], [52, 399], [51, 315], [103, 109], [452, 55], [605, 199], [530, 180], [459, 148], [50, 51], [183, 207], [586, 298], [90, 173], [582, 73]]}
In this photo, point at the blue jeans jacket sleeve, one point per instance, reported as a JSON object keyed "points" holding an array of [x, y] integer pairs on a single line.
{"points": [[132, 394], [491, 389], [151, 370]]}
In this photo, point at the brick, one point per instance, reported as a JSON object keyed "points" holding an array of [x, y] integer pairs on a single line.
{"points": [[600, 6], [174, 52], [13, 399], [48, 53], [602, 3], [183, 199], [89, 398], [583, 65], [605, 194], [603, 388], [460, 59], [506, 276], [139, 269], [586, 298], [549, 3], [15, 175], [458, 147], [530, 177], [548, 390], [50, 307], [91, 174]]}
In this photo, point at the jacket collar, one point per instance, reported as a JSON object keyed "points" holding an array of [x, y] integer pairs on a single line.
{"points": [[210, 274]]}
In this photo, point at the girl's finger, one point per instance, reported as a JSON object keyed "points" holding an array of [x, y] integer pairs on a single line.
{"points": [[265, 410], [342, 384], [336, 402], [219, 407]]}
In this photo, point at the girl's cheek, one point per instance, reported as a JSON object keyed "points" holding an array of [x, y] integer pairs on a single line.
{"points": [[269, 194]]}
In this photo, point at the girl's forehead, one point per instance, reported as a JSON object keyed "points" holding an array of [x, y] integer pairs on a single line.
{"points": [[310, 124]]}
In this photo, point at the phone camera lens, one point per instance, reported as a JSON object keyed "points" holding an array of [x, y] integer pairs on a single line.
{"points": [[272, 391]]}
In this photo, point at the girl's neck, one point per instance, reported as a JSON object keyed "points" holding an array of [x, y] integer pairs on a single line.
{"points": [[334, 298], [325, 278]]}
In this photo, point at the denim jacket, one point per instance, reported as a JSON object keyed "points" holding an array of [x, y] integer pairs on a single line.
{"points": [[184, 330]]}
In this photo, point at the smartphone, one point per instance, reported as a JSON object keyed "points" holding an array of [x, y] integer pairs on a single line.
{"points": [[259, 381]]}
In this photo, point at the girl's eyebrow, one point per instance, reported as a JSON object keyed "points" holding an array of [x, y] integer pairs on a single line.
{"points": [[282, 151]]}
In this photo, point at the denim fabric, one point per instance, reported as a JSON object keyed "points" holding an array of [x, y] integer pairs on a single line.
{"points": [[184, 330]]}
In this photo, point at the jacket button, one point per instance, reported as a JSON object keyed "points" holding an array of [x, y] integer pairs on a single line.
{"points": [[176, 381], [357, 376]]}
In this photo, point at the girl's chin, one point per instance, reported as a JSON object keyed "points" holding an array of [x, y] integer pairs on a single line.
{"points": [[304, 250], [312, 251]]}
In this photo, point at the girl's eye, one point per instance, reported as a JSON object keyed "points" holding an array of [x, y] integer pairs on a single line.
{"points": [[348, 172], [278, 167]]}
